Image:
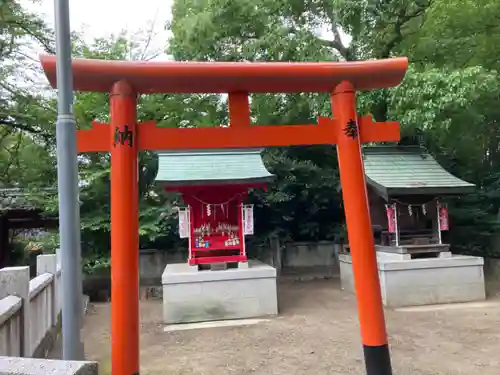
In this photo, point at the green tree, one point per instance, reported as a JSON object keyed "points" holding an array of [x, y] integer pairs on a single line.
{"points": [[289, 30], [25, 115], [457, 34], [303, 203], [449, 102]]}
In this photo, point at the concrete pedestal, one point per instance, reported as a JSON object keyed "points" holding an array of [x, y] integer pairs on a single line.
{"points": [[413, 282], [196, 296]]}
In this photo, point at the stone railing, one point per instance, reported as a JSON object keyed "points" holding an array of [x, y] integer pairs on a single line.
{"points": [[29, 309], [30, 366]]}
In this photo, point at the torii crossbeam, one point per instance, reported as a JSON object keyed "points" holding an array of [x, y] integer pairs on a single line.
{"points": [[124, 137]]}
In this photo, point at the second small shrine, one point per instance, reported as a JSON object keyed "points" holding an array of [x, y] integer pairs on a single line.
{"points": [[214, 186], [407, 189]]}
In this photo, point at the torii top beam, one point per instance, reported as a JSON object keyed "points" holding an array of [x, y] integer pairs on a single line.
{"points": [[238, 79], [227, 77]]}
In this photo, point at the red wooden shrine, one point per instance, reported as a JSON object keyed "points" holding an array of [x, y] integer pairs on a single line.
{"points": [[215, 222], [215, 218]]}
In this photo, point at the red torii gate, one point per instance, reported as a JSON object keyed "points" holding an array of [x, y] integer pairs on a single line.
{"points": [[124, 80]]}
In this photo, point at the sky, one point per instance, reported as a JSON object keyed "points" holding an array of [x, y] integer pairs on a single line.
{"points": [[101, 18]]}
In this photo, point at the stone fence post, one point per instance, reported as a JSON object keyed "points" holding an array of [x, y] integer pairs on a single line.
{"points": [[15, 281], [47, 263], [276, 253]]}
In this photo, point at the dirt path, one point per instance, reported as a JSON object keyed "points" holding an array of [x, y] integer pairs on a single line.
{"points": [[317, 333]]}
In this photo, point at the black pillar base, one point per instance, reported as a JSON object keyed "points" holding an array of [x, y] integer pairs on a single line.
{"points": [[377, 360]]}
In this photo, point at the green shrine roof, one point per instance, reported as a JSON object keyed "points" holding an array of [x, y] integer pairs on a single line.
{"points": [[20, 199], [408, 170], [14, 199], [212, 167]]}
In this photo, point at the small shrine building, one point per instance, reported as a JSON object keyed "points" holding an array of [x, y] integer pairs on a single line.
{"points": [[214, 186], [405, 185], [406, 190]]}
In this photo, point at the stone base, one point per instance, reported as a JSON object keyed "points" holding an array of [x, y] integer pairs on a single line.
{"points": [[413, 249], [428, 281], [235, 293]]}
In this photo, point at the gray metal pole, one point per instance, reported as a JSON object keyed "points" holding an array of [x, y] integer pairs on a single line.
{"points": [[67, 178]]}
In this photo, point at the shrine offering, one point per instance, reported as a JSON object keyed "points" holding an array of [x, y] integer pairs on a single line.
{"points": [[216, 226]]}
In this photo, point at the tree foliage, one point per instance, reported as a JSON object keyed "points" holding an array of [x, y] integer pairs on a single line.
{"points": [[457, 34], [24, 113]]}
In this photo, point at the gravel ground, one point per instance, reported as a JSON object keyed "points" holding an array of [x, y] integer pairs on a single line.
{"points": [[316, 333]]}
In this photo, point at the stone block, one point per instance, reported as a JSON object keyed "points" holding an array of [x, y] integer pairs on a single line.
{"points": [[31, 366], [311, 254], [218, 295], [243, 265], [47, 263], [381, 255], [15, 281], [424, 281], [58, 259], [10, 326]]}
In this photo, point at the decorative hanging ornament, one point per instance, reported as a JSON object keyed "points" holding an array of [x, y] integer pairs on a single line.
{"points": [[424, 209], [209, 210], [410, 212]]}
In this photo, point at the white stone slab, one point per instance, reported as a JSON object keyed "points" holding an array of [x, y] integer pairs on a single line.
{"points": [[213, 324], [451, 306], [218, 295], [179, 273], [427, 281]]}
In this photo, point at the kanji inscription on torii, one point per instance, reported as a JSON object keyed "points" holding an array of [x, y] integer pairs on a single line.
{"points": [[122, 137], [351, 129]]}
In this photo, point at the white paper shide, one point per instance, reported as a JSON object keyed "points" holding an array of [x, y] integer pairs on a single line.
{"points": [[184, 222], [248, 219]]}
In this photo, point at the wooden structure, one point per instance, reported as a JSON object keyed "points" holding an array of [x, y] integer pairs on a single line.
{"points": [[124, 137], [214, 185], [18, 213], [405, 184]]}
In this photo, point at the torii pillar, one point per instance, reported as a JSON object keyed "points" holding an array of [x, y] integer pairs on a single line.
{"points": [[123, 138]]}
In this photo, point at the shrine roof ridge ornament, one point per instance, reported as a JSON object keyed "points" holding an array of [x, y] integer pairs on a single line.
{"points": [[225, 77]]}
